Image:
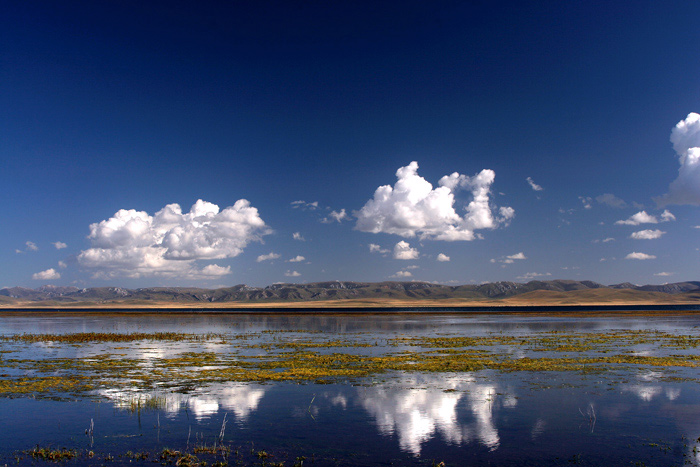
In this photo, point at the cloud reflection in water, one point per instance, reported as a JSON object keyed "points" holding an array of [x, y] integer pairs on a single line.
{"points": [[416, 415]]}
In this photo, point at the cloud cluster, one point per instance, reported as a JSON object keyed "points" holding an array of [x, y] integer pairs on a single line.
{"points": [[643, 218], [168, 244], [412, 207], [48, 275], [686, 142], [403, 250]]}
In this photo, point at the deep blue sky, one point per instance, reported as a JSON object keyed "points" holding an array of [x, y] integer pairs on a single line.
{"points": [[119, 105]]}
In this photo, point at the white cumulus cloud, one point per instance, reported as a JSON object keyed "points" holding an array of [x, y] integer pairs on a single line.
{"points": [[169, 243], [403, 250], [268, 257], [640, 256], [62, 265], [60, 245], [31, 246], [296, 259], [647, 234], [664, 274], [402, 274], [298, 236], [292, 274], [686, 142], [412, 207], [443, 257], [48, 275]]}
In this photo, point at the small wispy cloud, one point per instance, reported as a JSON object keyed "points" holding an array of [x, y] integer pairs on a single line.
{"points": [[60, 245], [374, 248], [534, 275], [647, 234], [337, 216], [297, 236], [443, 258], [214, 270], [268, 257], [510, 259], [605, 240], [611, 200], [640, 256], [301, 204], [292, 274], [534, 185], [296, 259]]}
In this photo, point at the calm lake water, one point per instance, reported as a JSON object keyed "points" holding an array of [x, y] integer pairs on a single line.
{"points": [[640, 415]]}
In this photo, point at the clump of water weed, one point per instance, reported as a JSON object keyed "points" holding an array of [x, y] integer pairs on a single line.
{"points": [[49, 454]]}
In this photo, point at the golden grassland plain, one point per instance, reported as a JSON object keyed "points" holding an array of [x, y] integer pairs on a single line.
{"points": [[183, 362], [534, 299]]}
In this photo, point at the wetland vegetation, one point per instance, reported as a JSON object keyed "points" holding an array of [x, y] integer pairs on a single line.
{"points": [[301, 357]]}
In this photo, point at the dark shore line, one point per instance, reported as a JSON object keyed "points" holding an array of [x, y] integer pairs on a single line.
{"points": [[495, 309]]}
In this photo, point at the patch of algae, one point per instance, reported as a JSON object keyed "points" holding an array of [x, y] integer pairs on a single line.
{"points": [[324, 361]]}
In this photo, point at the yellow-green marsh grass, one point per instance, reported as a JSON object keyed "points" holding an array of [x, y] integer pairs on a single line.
{"points": [[314, 358]]}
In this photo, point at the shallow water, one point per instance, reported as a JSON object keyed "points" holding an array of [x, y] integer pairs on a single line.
{"points": [[638, 415]]}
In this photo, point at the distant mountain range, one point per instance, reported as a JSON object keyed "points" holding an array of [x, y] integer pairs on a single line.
{"points": [[337, 290]]}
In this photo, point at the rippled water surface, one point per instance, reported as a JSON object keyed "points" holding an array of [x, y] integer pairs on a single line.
{"points": [[635, 413]]}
